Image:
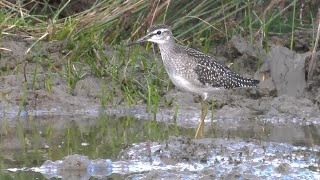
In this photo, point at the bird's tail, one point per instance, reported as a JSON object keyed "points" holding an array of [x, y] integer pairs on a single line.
{"points": [[246, 82], [236, 80]]}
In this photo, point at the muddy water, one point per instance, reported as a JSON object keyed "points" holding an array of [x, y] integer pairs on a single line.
{"points": [[272, 132], [104, 145]]}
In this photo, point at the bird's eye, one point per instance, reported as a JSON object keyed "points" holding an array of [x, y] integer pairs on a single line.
{"points": [[158, 32]]}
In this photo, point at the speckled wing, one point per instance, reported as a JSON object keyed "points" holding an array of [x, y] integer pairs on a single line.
{"points": [[214, 74]]}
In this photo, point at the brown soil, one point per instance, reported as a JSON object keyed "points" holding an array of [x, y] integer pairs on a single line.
{"points": [[283, 70]]}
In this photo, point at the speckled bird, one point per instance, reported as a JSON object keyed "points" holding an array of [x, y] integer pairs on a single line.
{"points": [[193, 71]]}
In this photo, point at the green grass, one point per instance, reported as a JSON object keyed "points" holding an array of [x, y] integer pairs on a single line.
{"points": [[293, 23], [135, 71], [94, 45]]}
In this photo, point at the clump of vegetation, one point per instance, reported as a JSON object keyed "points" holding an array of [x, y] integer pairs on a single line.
{"points": [[95, 37]]}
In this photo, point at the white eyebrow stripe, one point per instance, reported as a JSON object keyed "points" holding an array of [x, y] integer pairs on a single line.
{"points": [[162, 30]]}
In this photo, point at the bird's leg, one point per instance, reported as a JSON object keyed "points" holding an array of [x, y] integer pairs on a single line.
{"points": [[204, 111]]}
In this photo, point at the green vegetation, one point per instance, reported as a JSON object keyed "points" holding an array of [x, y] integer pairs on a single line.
{"points": [[94, 42], [95, 38]]}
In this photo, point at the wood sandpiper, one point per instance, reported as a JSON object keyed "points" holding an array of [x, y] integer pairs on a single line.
{"points": [[193, 71]]}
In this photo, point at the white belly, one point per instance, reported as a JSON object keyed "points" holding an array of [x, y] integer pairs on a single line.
{"points": [[189, 86]]}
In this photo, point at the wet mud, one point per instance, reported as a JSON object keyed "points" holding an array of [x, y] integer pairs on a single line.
{"points": [[272, 130], [180, 157]]}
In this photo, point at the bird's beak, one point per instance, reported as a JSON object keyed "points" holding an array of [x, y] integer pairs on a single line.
{"points": [[143, 39]]}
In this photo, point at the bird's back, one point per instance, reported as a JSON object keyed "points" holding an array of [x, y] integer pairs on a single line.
{"points": [[209, 72], [213, 73]]}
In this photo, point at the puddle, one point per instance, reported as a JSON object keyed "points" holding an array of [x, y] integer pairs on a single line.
{"points": [[98, 146]]}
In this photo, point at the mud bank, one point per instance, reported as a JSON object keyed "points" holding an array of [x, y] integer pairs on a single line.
{"points": [[272, 130], [284, 91], [195, 159]]}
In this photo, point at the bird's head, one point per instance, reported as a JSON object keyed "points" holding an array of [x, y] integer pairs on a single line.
{"points": [[159, 34]]}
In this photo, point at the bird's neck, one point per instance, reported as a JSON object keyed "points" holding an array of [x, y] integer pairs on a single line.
{"points": [[167, 48], [168, 54]]}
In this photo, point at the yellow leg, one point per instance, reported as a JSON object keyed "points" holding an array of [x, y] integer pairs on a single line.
{"points": [[204, 111]]}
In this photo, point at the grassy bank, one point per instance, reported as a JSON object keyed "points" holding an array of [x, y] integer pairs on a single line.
{"points": [[94, 39]]}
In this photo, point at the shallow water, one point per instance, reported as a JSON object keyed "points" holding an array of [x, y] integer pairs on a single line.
{"points": [[133, 147]]}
